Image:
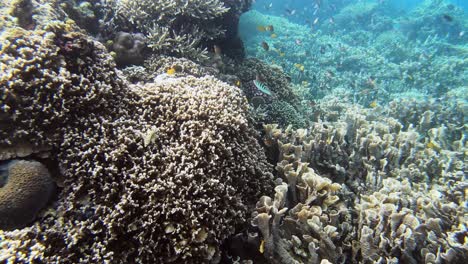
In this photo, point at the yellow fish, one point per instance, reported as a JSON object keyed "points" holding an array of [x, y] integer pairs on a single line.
{"points": [[305, 83], [171, 71], [430, 145], [261, 28], [238, 83], [373, 104], [299, 66], [273, 35], [262, 246]]}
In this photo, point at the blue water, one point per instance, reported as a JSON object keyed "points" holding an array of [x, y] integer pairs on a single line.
{"points": [[300, 4], [396, 47]]}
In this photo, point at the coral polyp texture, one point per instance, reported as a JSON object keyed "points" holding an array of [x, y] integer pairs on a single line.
{"points": [[25, 188], [161, 172]]}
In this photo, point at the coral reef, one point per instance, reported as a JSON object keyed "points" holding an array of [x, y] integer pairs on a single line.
{"points": [[184, 29], [433, 19], [136, 161], [129, 48], [51, 78], [282, 106], [364, 50], [404, 181], [25, 188]]}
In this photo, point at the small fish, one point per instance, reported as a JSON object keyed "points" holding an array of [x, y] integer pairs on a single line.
{"points": [[329, 74], [298, 42], [261, 86], [265, 46], [433, 145], [461, 34], [273, 35], [217, 50], [430, 145], [447, 18], [262, 246], [322, 49], [268, 7], [331, 20], [371, 82], [238, 83], [305, 83], [290, 12], [269, 28], [261, 28], [373, 104], [171, 71], [316, 20], [299, 66]]}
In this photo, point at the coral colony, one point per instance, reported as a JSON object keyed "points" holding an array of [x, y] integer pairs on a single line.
{"points": [[233, 131]]}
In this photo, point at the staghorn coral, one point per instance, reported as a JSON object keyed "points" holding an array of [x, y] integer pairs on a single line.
{"points": [[136, 161], [25, 188]]}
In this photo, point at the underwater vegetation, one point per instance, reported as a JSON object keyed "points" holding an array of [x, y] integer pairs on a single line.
{"points": [[228, 131]]}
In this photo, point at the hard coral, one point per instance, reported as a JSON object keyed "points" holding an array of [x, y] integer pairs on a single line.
{"points": [[54, 77], [185, 28], [25, 188], [162, 172]]}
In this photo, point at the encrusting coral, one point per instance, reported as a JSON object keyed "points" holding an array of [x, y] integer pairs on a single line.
{"points": [[25, 188], [158, 172]]}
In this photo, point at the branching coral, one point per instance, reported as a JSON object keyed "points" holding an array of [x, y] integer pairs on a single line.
{"points": [[158, 172], [171, 27]]}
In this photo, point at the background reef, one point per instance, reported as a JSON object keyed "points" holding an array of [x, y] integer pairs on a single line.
{"points": [[201, 132]]}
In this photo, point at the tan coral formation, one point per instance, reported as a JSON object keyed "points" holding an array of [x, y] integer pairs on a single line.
{"points": [[408, 191], [161, 172]]}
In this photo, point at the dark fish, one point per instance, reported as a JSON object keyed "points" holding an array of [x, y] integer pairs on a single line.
{"points": [[290, 12], [269, 28], [265, 46], [322, 49], [447, 18]]}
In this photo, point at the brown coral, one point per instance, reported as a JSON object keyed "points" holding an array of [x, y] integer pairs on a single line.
{"points": [[26, 190]]}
